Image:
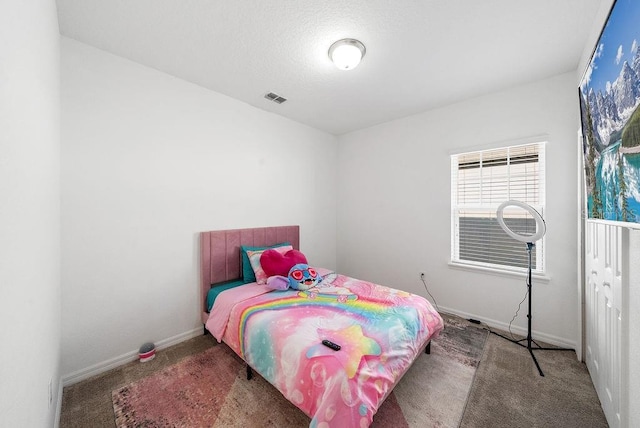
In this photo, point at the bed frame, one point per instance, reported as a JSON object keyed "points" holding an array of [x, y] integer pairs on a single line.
{"points": [[221, 261], [220, 253]]}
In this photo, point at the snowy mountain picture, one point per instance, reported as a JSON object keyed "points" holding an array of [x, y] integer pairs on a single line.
{"points": [[609, 108]]}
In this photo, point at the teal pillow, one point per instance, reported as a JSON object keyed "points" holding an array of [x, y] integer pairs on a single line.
{"points": [[247, 271], [219, 288]]}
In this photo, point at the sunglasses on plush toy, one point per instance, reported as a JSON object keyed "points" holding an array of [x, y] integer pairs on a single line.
{"points": [[298, 274]]}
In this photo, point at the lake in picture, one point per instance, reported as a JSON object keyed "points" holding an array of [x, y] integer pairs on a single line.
{"points": [[608, 181]]}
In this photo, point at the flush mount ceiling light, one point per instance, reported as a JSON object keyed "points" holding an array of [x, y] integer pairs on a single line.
{"points": [[346, 54]]}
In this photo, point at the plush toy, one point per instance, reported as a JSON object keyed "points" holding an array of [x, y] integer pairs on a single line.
{"points": [[276, 263], [303, 277], [278, 282]]}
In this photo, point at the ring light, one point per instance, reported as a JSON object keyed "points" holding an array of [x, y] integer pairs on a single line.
{"points": [[541, 227]]}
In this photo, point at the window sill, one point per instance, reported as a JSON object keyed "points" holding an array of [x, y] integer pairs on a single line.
{"points": [[499, 272]]}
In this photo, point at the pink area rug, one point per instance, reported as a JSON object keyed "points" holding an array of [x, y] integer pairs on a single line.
{"points": [[210, 389]]}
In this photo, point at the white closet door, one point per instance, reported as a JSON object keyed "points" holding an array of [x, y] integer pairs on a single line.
{"points": [[603, 314]]}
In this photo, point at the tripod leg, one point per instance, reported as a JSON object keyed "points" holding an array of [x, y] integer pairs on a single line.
{"points": [[536, 361]]}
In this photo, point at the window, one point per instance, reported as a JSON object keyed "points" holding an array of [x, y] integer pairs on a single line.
{"points": [[480, 182]]}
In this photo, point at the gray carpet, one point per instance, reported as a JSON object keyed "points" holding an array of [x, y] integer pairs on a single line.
{"points": [[508, 391]]}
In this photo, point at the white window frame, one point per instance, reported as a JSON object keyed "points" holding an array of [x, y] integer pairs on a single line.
{"points": [[489, 208]]}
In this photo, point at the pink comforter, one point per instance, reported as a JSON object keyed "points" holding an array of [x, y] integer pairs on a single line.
{"points": [[279, 333]]}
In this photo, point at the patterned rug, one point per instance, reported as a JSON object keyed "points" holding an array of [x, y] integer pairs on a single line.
{"points": [[210, 389]]}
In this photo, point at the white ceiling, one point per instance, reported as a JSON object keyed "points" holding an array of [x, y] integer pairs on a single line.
{"points": [[421, 54]]}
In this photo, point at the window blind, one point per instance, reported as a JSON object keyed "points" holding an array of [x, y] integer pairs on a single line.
{"points": [[481, 181]]}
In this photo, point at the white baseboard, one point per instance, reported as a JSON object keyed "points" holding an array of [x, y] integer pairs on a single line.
{"points": [[56, 423], [543, 337], [96, 369]]}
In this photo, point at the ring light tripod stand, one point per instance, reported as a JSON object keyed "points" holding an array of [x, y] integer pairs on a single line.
{"points": [[541, 229]]}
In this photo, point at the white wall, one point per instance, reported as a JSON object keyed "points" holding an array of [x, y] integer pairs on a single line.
{"points": [[394, 204], [29, 214], [148, 161]]}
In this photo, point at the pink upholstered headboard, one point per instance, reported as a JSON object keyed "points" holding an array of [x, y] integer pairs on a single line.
{"points": [[220, 253]]}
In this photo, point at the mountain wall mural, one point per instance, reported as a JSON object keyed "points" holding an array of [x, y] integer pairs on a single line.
{"points": [[609, 106]]}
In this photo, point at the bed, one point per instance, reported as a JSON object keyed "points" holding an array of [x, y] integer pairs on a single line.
{"points": [[381, 331]]}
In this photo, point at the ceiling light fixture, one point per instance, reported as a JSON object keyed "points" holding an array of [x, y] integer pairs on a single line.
{"points": [[346, 54]]}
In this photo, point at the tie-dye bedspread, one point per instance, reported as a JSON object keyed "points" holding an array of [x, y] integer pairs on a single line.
{"points": [[380, 331]]}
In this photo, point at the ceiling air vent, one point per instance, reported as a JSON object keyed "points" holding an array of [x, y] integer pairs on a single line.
{"points": [[275, 98]]}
